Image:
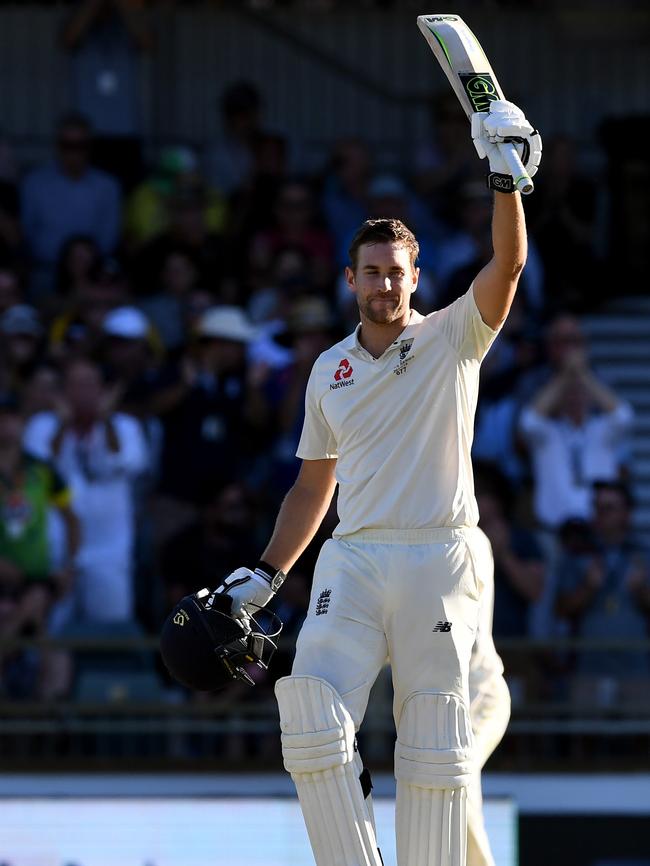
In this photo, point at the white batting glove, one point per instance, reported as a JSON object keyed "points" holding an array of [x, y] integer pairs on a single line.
{"points": [[504, 122], [250, 590]]}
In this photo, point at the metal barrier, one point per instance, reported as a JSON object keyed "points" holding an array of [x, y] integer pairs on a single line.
{"points": [[130, 714]]}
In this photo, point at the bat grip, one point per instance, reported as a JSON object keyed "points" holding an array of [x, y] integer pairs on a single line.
{"points": [[516, 167]]}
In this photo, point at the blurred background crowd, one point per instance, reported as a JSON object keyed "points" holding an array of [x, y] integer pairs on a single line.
{"points": [[160, 311]]}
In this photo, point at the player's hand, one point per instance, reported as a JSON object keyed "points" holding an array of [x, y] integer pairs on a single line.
{"points": [[250, 590], [504, 122]]}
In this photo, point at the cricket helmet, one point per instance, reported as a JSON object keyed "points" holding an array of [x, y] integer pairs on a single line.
{"points": [[204, 647]]}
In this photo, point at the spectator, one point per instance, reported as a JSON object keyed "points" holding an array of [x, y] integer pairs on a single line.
{"points": [[213, 544], [28, 488], [574, 428], [296, 224], [166, 308], [345, 193], [604, 591], [129, 352], [99, 453], [42, 391], [104, 39], [309, 331], [78, 329], [188, 230], [212, 407], [79, 260], [518, 559], [229, 164], [66, 198], [148, 210], [21, 331]]}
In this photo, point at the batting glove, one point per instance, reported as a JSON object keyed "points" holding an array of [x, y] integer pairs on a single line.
{"points": [[504, 122], [250, 590]]}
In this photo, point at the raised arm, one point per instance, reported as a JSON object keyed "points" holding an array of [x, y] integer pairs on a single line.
{"points": [[496, 283]]}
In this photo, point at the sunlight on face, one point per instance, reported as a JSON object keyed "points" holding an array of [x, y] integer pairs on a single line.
{"points": [[383, 282]]}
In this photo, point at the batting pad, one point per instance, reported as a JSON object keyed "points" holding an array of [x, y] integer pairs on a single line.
{"points": [[433, 768], [318, 747]]}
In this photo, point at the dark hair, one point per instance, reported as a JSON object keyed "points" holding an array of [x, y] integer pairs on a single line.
{"points": [[383, 231], [616, 486]]}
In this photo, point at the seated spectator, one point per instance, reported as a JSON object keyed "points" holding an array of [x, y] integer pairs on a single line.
{"points": [[42, 391], [148, 206], [77, 332], [344, 196], [79, 261], [309, 331], [166, 307], [573, 428], [208, 549], [21, 348], [65, 198], [211, 405], [188, 229], [604, 591], [519, 569], [99, 453], [296, 224], [28, 487]]}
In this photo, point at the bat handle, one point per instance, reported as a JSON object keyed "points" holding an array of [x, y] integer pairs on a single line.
{"points": [[516, 167]]}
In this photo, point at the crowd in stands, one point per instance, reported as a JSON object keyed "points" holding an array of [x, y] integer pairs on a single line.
{"points": [[156, 335]]}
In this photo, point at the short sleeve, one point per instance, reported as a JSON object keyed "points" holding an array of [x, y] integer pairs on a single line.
{"points": [[464, 328], [317, 440]]}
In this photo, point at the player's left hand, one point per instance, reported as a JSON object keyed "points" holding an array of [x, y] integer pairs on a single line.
{"points": [[505, 122]]}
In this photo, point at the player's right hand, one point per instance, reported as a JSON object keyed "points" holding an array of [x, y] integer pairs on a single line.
{"points": [[249, 590]]}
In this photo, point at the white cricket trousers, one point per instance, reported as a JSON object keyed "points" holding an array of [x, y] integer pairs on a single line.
{"points": [[407, 596]]}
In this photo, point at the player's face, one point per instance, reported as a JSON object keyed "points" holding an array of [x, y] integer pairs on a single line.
{"points": [[383, 282]]}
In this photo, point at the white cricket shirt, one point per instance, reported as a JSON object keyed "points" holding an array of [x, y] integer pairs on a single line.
{"points": [[401, 425]]}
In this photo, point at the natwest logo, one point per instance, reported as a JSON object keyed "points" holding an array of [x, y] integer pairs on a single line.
{"points": [[344, 371], [343, 376]]}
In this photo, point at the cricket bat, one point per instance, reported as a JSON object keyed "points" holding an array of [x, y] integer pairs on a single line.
{"points": [[469, 72]]}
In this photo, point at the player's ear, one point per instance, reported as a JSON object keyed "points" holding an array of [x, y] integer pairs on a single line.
{"points": [[416, 277], [349, 279]]}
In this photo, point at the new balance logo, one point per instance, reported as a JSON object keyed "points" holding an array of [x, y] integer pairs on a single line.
{"points": [[442, 626], [323, 602]]}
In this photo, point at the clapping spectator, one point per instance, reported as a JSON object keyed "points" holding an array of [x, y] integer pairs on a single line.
{"points": [[604, 591], [65, 198], [574, 429], [99, 453]]}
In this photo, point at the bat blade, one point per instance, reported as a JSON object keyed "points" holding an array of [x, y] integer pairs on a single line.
{"points": [[469, 72]]}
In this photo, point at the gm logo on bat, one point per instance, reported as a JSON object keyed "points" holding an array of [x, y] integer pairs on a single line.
{"points": [[480, 88]]}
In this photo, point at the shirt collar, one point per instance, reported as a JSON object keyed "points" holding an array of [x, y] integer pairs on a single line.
{"points": [[351, 343]]}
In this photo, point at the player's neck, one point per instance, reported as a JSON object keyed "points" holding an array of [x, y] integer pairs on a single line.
{"points": [[376, 338]]}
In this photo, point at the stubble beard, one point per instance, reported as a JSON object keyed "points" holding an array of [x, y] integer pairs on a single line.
{"points": [[384, 315]]}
